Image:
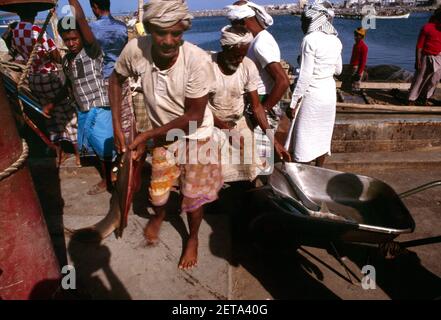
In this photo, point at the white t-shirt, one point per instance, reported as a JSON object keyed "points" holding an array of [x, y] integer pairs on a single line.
{"points": [[165, 90], [227, 99], [263, 51]]}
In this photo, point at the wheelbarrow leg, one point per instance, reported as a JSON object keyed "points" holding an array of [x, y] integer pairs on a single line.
{"points": [[342, 262]]}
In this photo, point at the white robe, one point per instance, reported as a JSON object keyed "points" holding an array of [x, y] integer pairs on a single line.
{"points": [[314, 125]]}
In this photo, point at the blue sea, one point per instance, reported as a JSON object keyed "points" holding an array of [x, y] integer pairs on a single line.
{"points": [[392, 42]]}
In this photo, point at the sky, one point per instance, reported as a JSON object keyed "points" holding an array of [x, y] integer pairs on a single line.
{"points": [[131, 5]]}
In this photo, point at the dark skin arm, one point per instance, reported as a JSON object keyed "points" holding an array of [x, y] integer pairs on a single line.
{"points": [[64, 92], [281, 84], [418, 60], [221, 124], [85, 30], [115, 96], [260, 116], [194, 111], [235, 138], [55, 56]]}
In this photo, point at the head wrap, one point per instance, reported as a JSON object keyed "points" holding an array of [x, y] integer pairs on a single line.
{"points": [[360, 31], [320, 13], [233, 36], [166, 13], [248, 10]]}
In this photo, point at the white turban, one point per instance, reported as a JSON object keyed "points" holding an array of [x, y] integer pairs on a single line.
{"points": [[248, 10], [232, 36], [166, 13], [321, 14]]}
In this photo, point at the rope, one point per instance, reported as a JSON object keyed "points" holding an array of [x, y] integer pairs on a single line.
{"points": [[17, 164], [25, 74]]}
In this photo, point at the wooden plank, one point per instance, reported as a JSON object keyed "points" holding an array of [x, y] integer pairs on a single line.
{"points": [[384, 85], [389, 107]]}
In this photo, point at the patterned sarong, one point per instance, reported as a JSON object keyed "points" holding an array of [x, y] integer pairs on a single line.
{"points": [[63, 125], [199, 182]]}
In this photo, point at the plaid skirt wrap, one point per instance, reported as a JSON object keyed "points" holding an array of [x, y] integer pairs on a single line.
{"points": [[63, 125], [141, 114]]}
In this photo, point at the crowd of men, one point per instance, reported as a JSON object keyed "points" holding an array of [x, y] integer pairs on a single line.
{"points": [[221, 105]]}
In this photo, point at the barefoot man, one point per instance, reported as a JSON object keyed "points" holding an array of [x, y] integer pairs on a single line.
{"points": [[176, 79]]}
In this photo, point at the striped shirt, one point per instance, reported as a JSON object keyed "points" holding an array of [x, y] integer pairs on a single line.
{"points": [[85, 75]]}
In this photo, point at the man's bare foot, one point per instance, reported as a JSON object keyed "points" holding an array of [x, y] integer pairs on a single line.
{"points": [[189, 257], [77, 160], [151, 231], [100, 187]]}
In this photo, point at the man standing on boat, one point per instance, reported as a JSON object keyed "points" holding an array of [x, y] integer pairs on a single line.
{"points": [[358, 58], [427, 61], [176, 79], [265, 52]]}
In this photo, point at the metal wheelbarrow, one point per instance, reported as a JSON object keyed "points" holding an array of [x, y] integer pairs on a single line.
{"points": [[316, 205]]}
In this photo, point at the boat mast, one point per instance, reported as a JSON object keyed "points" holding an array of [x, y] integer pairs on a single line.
{"points": [[140, 10]]}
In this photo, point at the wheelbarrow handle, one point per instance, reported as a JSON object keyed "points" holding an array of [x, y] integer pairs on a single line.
{"points": [[421, 188]]}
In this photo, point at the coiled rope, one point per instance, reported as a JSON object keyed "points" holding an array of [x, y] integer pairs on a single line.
{"points": [[17, 164], [25, 74], [25, 148]]}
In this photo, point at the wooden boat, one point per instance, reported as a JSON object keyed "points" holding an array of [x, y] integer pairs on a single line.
{"points": [[24, 239], [393, 16]]}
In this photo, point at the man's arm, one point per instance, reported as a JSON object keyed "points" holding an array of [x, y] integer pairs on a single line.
{"points": [[220, 124], [115, 97], [86, 32], [281, 84], [305, 76], [55, 56], [194, 111], [363, 60], [419, 48], [418, 58], [62, 94], [262, 121]]}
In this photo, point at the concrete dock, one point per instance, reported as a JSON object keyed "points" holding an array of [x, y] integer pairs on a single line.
{"points": [[231, 266]]}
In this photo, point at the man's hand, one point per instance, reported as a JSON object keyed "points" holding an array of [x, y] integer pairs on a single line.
{"points": [[293, 112], [138, 146], [47, 109], [281, 152], [120, 141], [356, 77], [417, 65]]}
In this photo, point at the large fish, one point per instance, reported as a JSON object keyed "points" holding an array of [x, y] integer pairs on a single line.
{"points": [[127, 184]]}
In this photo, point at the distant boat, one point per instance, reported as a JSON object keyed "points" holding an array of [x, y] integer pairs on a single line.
{"points": [[358, 16], [393, 16]]}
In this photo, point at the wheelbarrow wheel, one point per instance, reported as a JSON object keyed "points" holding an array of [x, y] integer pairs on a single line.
{"points": [[269, 233]]}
